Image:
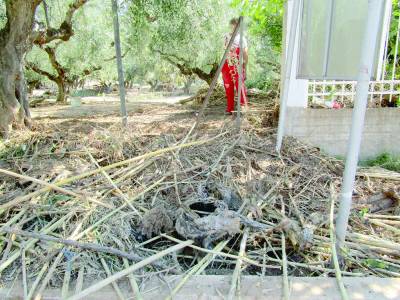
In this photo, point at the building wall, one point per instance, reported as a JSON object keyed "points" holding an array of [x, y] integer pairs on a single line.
{"points": [[329, 130], [297, 96]]}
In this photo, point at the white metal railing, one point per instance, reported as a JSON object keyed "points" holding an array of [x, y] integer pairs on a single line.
{"points": [[384, 91], [381, 93]]}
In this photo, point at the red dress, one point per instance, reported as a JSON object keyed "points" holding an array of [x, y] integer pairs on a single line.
{"points": [[230, 75]]}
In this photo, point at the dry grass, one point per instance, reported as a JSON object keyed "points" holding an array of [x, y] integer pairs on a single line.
{"points": [[199, 180]]}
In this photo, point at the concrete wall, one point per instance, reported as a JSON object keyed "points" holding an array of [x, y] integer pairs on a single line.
{"points": [[329, 129]]}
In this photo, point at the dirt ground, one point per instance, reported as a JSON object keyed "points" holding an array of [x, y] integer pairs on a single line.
{"points": [[100, 106]]}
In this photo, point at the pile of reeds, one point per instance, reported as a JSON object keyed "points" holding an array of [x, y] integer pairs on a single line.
{"points": [[74, 204]]}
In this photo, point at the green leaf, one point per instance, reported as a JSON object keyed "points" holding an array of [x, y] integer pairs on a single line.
{"points": [[375, 264]]}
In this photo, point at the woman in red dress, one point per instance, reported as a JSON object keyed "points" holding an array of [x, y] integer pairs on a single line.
{"points": [[230, 73]]}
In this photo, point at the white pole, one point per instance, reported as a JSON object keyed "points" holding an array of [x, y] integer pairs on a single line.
{"points": [[240, 71], [360, 106], [288, 72]]}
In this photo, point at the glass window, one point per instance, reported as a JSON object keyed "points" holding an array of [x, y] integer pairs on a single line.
{"points": [[332, 32]]}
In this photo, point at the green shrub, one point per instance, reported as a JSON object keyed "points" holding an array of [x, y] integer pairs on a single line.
{"points": [[385, 160]]}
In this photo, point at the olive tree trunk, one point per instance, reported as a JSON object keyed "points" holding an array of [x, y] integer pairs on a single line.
{"points": [[61, 93], [14, 43]]}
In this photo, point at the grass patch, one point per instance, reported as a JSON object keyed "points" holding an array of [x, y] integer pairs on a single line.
{"points": [[11, 150], [385, 160]]}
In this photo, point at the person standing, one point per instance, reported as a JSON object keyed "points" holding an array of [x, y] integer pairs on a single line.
{"points": [[230, 73]]}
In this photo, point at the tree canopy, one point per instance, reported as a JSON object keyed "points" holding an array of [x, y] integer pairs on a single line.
{"points": [[187, 34], [162, 40], [83, 53]]}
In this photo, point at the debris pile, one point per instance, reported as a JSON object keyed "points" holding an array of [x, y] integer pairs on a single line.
{"points": [[255, 96], [102, 199]]}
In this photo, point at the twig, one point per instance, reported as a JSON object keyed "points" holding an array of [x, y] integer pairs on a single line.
{"points": [[196, 270], [382, 216], [48, 276], [132, 281], [223, 254], [128, 271], [37, 280], [22, 199], [114, 283], [24, 281], [8, 249], [66, 282], [386, 226], [79, 280], [122, 195], [235, 286], [285, 278], [73, 243], [48, 185], [32, 242]]}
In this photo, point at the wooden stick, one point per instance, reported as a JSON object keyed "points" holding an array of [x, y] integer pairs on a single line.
{"points": [[24, 281], [219, 253], [66, 282], [32, 242], [196, 270], [235, 286], [37, 280], [285, 278], [121, 194], [377, 242], [132, 281], [6, 252], [386, 226], [114, 283], [129, 270], [65, 181], [382, 216], [75, 244], [216, 75], [48, 276], [48, 185], [387, 222], [79, 280]]}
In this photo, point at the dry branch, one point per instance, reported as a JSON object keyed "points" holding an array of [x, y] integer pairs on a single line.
{"points": [[129, 270], [75, 244]]}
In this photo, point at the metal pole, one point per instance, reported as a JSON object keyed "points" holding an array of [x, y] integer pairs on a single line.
{"points": [[121, 80], [288, 72], [240, 70], [360, 106]]}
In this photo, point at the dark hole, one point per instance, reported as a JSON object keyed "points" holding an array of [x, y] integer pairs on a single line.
{"points": [[203, 208]]}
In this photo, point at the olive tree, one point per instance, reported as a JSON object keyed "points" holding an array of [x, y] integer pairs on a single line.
{"points": [[17, 23], [17, 35], [79, 53], [188, 34]]}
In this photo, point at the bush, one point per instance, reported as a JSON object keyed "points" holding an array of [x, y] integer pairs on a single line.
{"points": [[385, 160]]}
